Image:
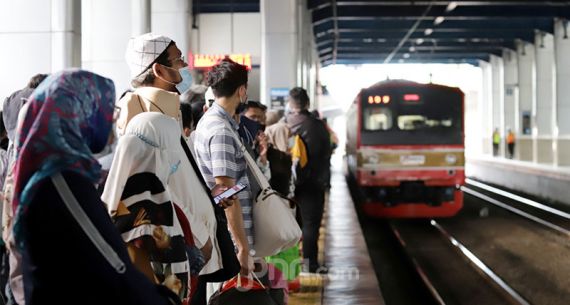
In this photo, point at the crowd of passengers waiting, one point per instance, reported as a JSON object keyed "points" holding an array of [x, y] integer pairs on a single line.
{"points": [[111, 201]]}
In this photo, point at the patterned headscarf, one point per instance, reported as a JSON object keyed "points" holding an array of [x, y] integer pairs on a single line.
{"points": [[69, 117]]}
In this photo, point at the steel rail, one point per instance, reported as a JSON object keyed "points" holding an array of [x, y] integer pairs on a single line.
{"points": [[423, 275], [515, 297], [518, 198], [519, 212]]}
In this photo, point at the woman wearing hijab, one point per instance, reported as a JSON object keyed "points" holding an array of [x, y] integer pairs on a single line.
{"points": [[140, 203], [61, 227]]}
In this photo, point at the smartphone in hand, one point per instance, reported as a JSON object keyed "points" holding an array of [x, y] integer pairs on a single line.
{"points": [[230, 192]]}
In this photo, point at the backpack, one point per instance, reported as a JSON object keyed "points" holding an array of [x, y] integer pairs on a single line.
{"points": [[300, 158]]}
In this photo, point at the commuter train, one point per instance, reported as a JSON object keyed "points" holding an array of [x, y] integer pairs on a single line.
{"points": [[405, 149]]}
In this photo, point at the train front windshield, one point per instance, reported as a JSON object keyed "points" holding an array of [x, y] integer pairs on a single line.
{"points": [[397, 117]]}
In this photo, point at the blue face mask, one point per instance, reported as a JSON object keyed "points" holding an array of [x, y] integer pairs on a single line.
{"points": [[186, 82]]}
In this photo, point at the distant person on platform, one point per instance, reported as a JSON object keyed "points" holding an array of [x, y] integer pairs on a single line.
{"points": [[496, 141], [511, 143], [312, 179]]}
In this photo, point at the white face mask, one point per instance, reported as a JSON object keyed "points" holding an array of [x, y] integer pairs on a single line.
{"points": [[288, 109]]}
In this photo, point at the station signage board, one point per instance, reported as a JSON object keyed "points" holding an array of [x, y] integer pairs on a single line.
{"points": [[278, 97], [206, 61]]}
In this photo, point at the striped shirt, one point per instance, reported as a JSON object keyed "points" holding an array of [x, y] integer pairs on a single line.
{"points": [[219, 155]]}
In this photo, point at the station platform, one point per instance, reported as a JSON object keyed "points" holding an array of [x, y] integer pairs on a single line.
{"points": [[539, 180], [351, 278]]}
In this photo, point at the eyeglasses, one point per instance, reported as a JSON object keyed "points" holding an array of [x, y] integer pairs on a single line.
{"points": [[181, 58]]}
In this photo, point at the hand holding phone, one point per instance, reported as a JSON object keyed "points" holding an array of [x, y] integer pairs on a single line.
{"points": [[230, 192]]}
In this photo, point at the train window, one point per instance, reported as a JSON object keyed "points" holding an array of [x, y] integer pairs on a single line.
{"points": [[414, 122], [377, 119]]}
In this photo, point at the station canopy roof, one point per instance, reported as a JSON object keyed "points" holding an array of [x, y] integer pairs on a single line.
{"points": [[366, 31]]}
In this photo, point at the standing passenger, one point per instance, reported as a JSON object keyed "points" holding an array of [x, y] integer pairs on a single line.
{"points": [[511, 143], [158, 69], [140, 203], [13, 109], [496, 141], [64, 232], [312, 179], [221, 158]]}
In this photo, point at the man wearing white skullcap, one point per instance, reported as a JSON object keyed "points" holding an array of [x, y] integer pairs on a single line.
{"points": [[159, 75]]}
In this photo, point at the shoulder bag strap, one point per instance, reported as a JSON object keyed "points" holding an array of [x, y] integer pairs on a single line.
{"points": [[255, 170], [86, 225], [196, 168]]}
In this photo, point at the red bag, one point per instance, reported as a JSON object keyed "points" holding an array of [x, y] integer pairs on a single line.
{"points": [[242, 291]]}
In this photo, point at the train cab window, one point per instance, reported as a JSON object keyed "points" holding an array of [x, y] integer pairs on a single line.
{"points": [[415, 122], [377, 119]]}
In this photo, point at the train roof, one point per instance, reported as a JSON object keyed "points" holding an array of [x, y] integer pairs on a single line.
{"points": [[403, 82]]}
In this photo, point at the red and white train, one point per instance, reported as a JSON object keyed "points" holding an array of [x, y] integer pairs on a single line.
{"points": [[405, 149]]}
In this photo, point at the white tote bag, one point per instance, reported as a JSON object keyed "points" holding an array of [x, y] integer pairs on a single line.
{"points": [[274, 223]]}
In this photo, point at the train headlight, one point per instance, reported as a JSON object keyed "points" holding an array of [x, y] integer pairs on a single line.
{"points": [[450, 159], [373, 159]]}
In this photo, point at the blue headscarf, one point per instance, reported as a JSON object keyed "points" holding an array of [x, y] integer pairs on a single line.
{"points": [[69, 117]]}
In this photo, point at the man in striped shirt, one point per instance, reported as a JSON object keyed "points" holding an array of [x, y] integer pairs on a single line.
{"points": [[220, 156]]}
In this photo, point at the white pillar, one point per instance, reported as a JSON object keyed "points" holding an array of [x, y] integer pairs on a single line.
{"points": [[546, 97], [527, 100], [66, 34], [497, 67], [562, 51], [141, 17], [279, 53], [486, 108], [511, 98], [38, 36], [104, 42], [172, 18]]}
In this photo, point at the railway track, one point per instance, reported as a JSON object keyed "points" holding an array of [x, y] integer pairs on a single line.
{"points": [[547, 216], [452, 272]]}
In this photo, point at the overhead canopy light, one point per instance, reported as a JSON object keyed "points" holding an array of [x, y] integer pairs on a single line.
{"points": [[406, 55], [451, 6], [438, 20], [419, 41], [428, 32]]}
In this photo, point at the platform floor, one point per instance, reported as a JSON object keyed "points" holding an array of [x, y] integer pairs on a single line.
{"points": [[536, 180], [351, 279]]}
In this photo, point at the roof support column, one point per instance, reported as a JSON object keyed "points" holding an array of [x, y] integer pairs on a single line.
{"points": [[173, 19], [511, 98], [279, 51], [65, 34], [486, 108], [546, 97], [562, 53], [498, 94], [527, 100], [141, 20]]}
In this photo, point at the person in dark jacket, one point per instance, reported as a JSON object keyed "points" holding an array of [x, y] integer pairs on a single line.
{"points": [[68, 259], [312, 179], [14, 292]]}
